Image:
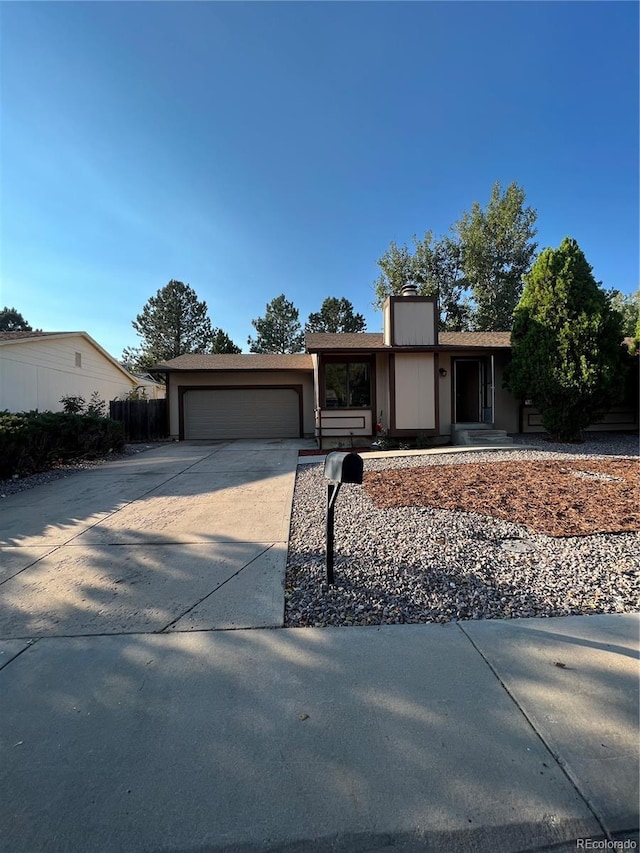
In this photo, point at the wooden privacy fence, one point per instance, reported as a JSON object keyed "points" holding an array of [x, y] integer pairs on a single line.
{"points": [[144, 420]]}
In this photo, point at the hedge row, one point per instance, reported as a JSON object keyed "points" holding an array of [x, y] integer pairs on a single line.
{"points": [[36, 441]]}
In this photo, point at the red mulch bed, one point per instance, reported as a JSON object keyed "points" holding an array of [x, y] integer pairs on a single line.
{"points": [[568, 498]]}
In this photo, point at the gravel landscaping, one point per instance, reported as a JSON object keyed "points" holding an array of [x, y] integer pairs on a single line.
{"points": [[408, 564]]}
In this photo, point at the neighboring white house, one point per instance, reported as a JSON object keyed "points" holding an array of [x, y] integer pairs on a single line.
{"points": [[38, 368]]}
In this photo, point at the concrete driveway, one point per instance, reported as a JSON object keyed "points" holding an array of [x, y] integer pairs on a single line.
{"points": [[125, 727], [184, 537]]}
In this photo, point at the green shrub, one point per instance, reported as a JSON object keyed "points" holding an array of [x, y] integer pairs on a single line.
{"points": [[77, 405], [73, 404], [35, 441]]}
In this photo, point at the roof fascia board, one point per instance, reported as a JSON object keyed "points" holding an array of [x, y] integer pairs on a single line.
{"points": [[231, 369], [400, 349]]}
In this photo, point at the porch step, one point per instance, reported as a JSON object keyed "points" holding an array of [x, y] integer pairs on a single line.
{"points": [[473, 425], [480, 437]]}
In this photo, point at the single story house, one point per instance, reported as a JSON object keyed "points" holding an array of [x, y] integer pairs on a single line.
{"points": [[409, 380], [38, 368]]}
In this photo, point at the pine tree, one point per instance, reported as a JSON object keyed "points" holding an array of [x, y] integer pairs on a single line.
{"points": [[335, 315], [279, 331], [13, 321], [172, 323], [222, 343]]}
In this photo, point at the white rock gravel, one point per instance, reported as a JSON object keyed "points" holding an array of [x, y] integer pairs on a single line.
{"points": [[429, 565]]}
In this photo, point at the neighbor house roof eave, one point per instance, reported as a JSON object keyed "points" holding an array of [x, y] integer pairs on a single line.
{"points": [[85, 335]]}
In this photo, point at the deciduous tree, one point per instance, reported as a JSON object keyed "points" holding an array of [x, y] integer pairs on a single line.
{"points": [[279, 331], [628, 306], [497, 251], [566, 344], [434, 266]]}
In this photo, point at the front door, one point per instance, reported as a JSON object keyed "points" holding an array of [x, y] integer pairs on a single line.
{"points": [[473, 390], [466, 389]]}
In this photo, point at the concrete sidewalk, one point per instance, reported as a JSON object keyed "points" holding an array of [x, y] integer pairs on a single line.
{"points": [[458, 737], [190, 535], [129, 721]]}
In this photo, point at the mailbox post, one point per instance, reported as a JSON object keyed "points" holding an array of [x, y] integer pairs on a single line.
{"points": [[339, 468]]}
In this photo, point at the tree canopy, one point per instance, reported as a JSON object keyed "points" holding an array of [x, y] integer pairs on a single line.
{"points": [[172, 323], [434, 267], [497, 251], [279, 331], [335, 315], [628, 306], [12, 320], [566, 344], [222, 343], [476, 270]]}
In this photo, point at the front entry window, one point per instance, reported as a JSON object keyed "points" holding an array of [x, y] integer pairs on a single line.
{"points": [[347, 385]]}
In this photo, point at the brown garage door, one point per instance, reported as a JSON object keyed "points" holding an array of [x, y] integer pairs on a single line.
{"points": [[241, 413]]}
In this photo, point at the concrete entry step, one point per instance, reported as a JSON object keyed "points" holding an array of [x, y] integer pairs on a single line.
{"points": [[480, 436]]}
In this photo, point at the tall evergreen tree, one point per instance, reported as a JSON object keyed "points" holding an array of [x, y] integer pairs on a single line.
{"points": [[13, 321], [279, 331], [497, 251], [566, 344], [335, 315], [222, 343], [171, 323]]}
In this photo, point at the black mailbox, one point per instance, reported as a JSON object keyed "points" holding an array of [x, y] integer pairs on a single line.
{"points": [[343, 468], [339, 468]]}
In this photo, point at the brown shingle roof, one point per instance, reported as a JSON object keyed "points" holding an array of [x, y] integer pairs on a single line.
{"points": [[374, 341], [241, 361], [343, 340], [492, 340]]}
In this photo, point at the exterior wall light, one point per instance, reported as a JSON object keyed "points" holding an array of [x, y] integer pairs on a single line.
{"points": [[443, 372]]}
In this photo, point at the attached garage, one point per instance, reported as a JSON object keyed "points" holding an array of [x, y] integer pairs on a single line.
{"points": [[227, 396], [247, 412]]}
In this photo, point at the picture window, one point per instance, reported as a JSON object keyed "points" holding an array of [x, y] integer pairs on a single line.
{"points": [[347, 385]]}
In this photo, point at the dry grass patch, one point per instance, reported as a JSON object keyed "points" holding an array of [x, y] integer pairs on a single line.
{"points": [[559, 498]]}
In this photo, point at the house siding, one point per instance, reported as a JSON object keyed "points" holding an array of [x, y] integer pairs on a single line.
{"points": [[444, 386], [414, 323], [618, 418], [383, 398], [36, 374], [507, 408], [415, 407]]}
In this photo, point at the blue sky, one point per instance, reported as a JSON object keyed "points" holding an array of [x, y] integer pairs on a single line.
{"points": [[253, 149]]}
